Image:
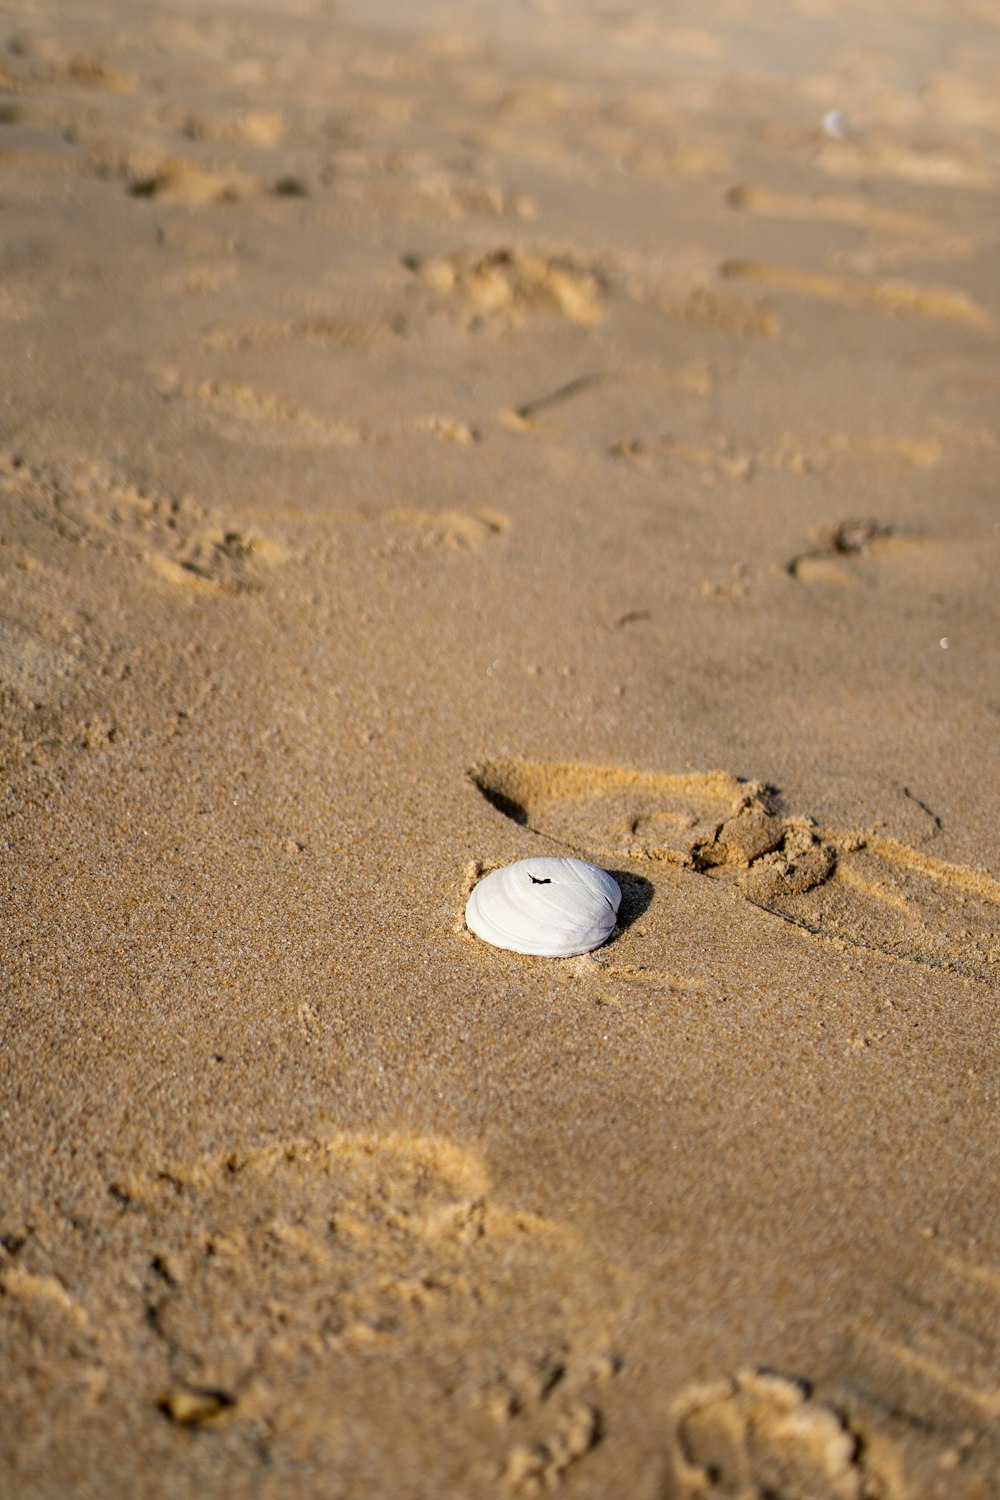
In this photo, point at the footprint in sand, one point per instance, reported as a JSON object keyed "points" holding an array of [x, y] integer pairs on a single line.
{"points": [[715, 310], [865, 552], [148, 172], [717, 461], [723, 459], [826, 562], [259, 128], [405, 530], [853, 886], [414, 529], [319, 1245], [412, 184], [904, 297], [829, 208], [244, 414], [315, 1282], [182, 542], [879, 155], [511, 285], [761, 1436], [819, 453], [248, 416], [905, 236]]}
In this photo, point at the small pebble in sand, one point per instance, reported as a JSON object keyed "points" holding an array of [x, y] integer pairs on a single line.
{"points": [[553, 908]]}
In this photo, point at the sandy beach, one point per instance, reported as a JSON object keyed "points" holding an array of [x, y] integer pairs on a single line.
{"points": [[432, 437]]}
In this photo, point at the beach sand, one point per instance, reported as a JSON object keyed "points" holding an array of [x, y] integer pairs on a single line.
{"points": [[432, 436]]}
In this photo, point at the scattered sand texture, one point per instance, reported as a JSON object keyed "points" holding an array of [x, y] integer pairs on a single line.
{"points": [[282, 1288], [431, 439]]}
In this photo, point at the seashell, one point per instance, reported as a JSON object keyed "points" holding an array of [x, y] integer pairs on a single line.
{"points": [[551, 907]]}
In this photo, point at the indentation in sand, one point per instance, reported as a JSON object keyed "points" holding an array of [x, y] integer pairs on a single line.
{"points": [[402, 529], [245, 414], [251, 127], [151, 173], [717, 311], [864, 553], [904, 297], [445, 530], [815, 453], [880, 156], [935, 1349], [762, 1436], [715, 462], [292, 1283], [825, 564], [242, 413], [614, 810], [725, 458], [895, 239], [513, 284], [829, 208], [415, 185], [183, 542], [858, 886]]}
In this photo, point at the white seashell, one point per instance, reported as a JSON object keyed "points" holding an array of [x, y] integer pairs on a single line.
{"points": [[551, 907]]}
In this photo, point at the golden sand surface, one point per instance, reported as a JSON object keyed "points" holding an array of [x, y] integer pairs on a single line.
{"points": [[432, 436]]}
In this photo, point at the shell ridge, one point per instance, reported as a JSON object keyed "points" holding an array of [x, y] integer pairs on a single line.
{"points": [[545, 907]]}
